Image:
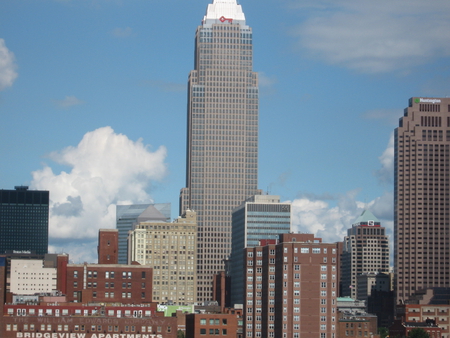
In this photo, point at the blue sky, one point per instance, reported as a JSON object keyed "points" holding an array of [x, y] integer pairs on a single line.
{"points": [[93, 103]]}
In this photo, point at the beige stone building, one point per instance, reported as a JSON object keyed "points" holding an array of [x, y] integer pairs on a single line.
{"points": [[170, 248], [421, 197]]}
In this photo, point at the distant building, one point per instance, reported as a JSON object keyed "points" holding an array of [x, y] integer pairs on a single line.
{"points": [[428, 304], [127, 216], [401, 328], [369, 282], [260, 217], [212, 325], [170, 248], [291, 288], [108, 246], [108, 283], [365, 250], [24, 221], [359, 324], [421, 197]]}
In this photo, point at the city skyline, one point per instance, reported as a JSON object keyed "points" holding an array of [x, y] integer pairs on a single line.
{"points": [[327, 110]]}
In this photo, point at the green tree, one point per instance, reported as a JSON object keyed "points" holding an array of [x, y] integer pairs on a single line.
{"points": [[418, 333], [383, 332], [180, 334]]}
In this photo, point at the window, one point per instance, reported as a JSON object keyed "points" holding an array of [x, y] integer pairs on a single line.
{"points": [[304, 250], [316, 250]]}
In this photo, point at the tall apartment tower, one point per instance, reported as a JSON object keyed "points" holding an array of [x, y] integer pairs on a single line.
{"points": [[365, 250], [222, 133], [260, 217], [170, 248], [421, 197], [24, 221], [291, 288]]}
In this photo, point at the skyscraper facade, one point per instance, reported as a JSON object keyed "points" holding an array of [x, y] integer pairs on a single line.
{"points": [[24, 220], [260, 217], [365, 250], [421, 197], [222, 133]]}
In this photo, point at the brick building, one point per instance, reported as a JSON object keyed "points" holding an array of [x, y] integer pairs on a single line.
{"points": [[357, 325], [439, 313], [108, 246], [227, 324], [67, 320], [126, 284], [401, 328], [291, 288]]}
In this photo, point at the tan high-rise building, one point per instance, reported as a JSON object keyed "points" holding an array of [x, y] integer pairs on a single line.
{"points": [[222, 136], [170, 248], [421, 193], [365, 250]]}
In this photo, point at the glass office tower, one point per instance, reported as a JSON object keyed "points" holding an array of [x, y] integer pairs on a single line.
{"points": [[24, 221], [222, 133]]}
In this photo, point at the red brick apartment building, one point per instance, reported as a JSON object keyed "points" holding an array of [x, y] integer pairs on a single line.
{"points": [[209, 325], [291, 288]]}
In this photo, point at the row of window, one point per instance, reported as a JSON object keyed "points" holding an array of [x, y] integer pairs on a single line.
{"points": [[77, 327], [108, 274]]}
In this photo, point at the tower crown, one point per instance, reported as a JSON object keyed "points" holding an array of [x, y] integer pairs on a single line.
{"points": [[224, 11]]}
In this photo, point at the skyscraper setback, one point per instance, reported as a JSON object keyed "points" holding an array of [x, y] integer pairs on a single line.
{"points": [[421, 192], [222, 135]]}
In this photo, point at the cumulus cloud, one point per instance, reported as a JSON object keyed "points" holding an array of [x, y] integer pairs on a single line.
{"points": [[326, 221], [376, 36], [386, 173], [122, 32], [67, 102], [106, 168], [8, 66], [330, 222]]}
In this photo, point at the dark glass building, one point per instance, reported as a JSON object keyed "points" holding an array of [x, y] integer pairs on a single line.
{"points": [[24, 220]]}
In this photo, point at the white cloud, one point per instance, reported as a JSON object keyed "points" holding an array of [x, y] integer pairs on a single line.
{"points": [[68, 101], [8, 66], [105, 169], [377, 36], [386, 173], [330, 223], [122, 32], [325, 221]]}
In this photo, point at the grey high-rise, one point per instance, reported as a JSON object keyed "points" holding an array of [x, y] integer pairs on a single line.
{"points": [[421, 192], [222, 133]]}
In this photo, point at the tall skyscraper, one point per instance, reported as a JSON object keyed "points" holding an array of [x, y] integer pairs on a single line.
{"points": [[127, 216], [260, 217], [421, 193], [366, 249], [24, 220], [222, 133]]}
